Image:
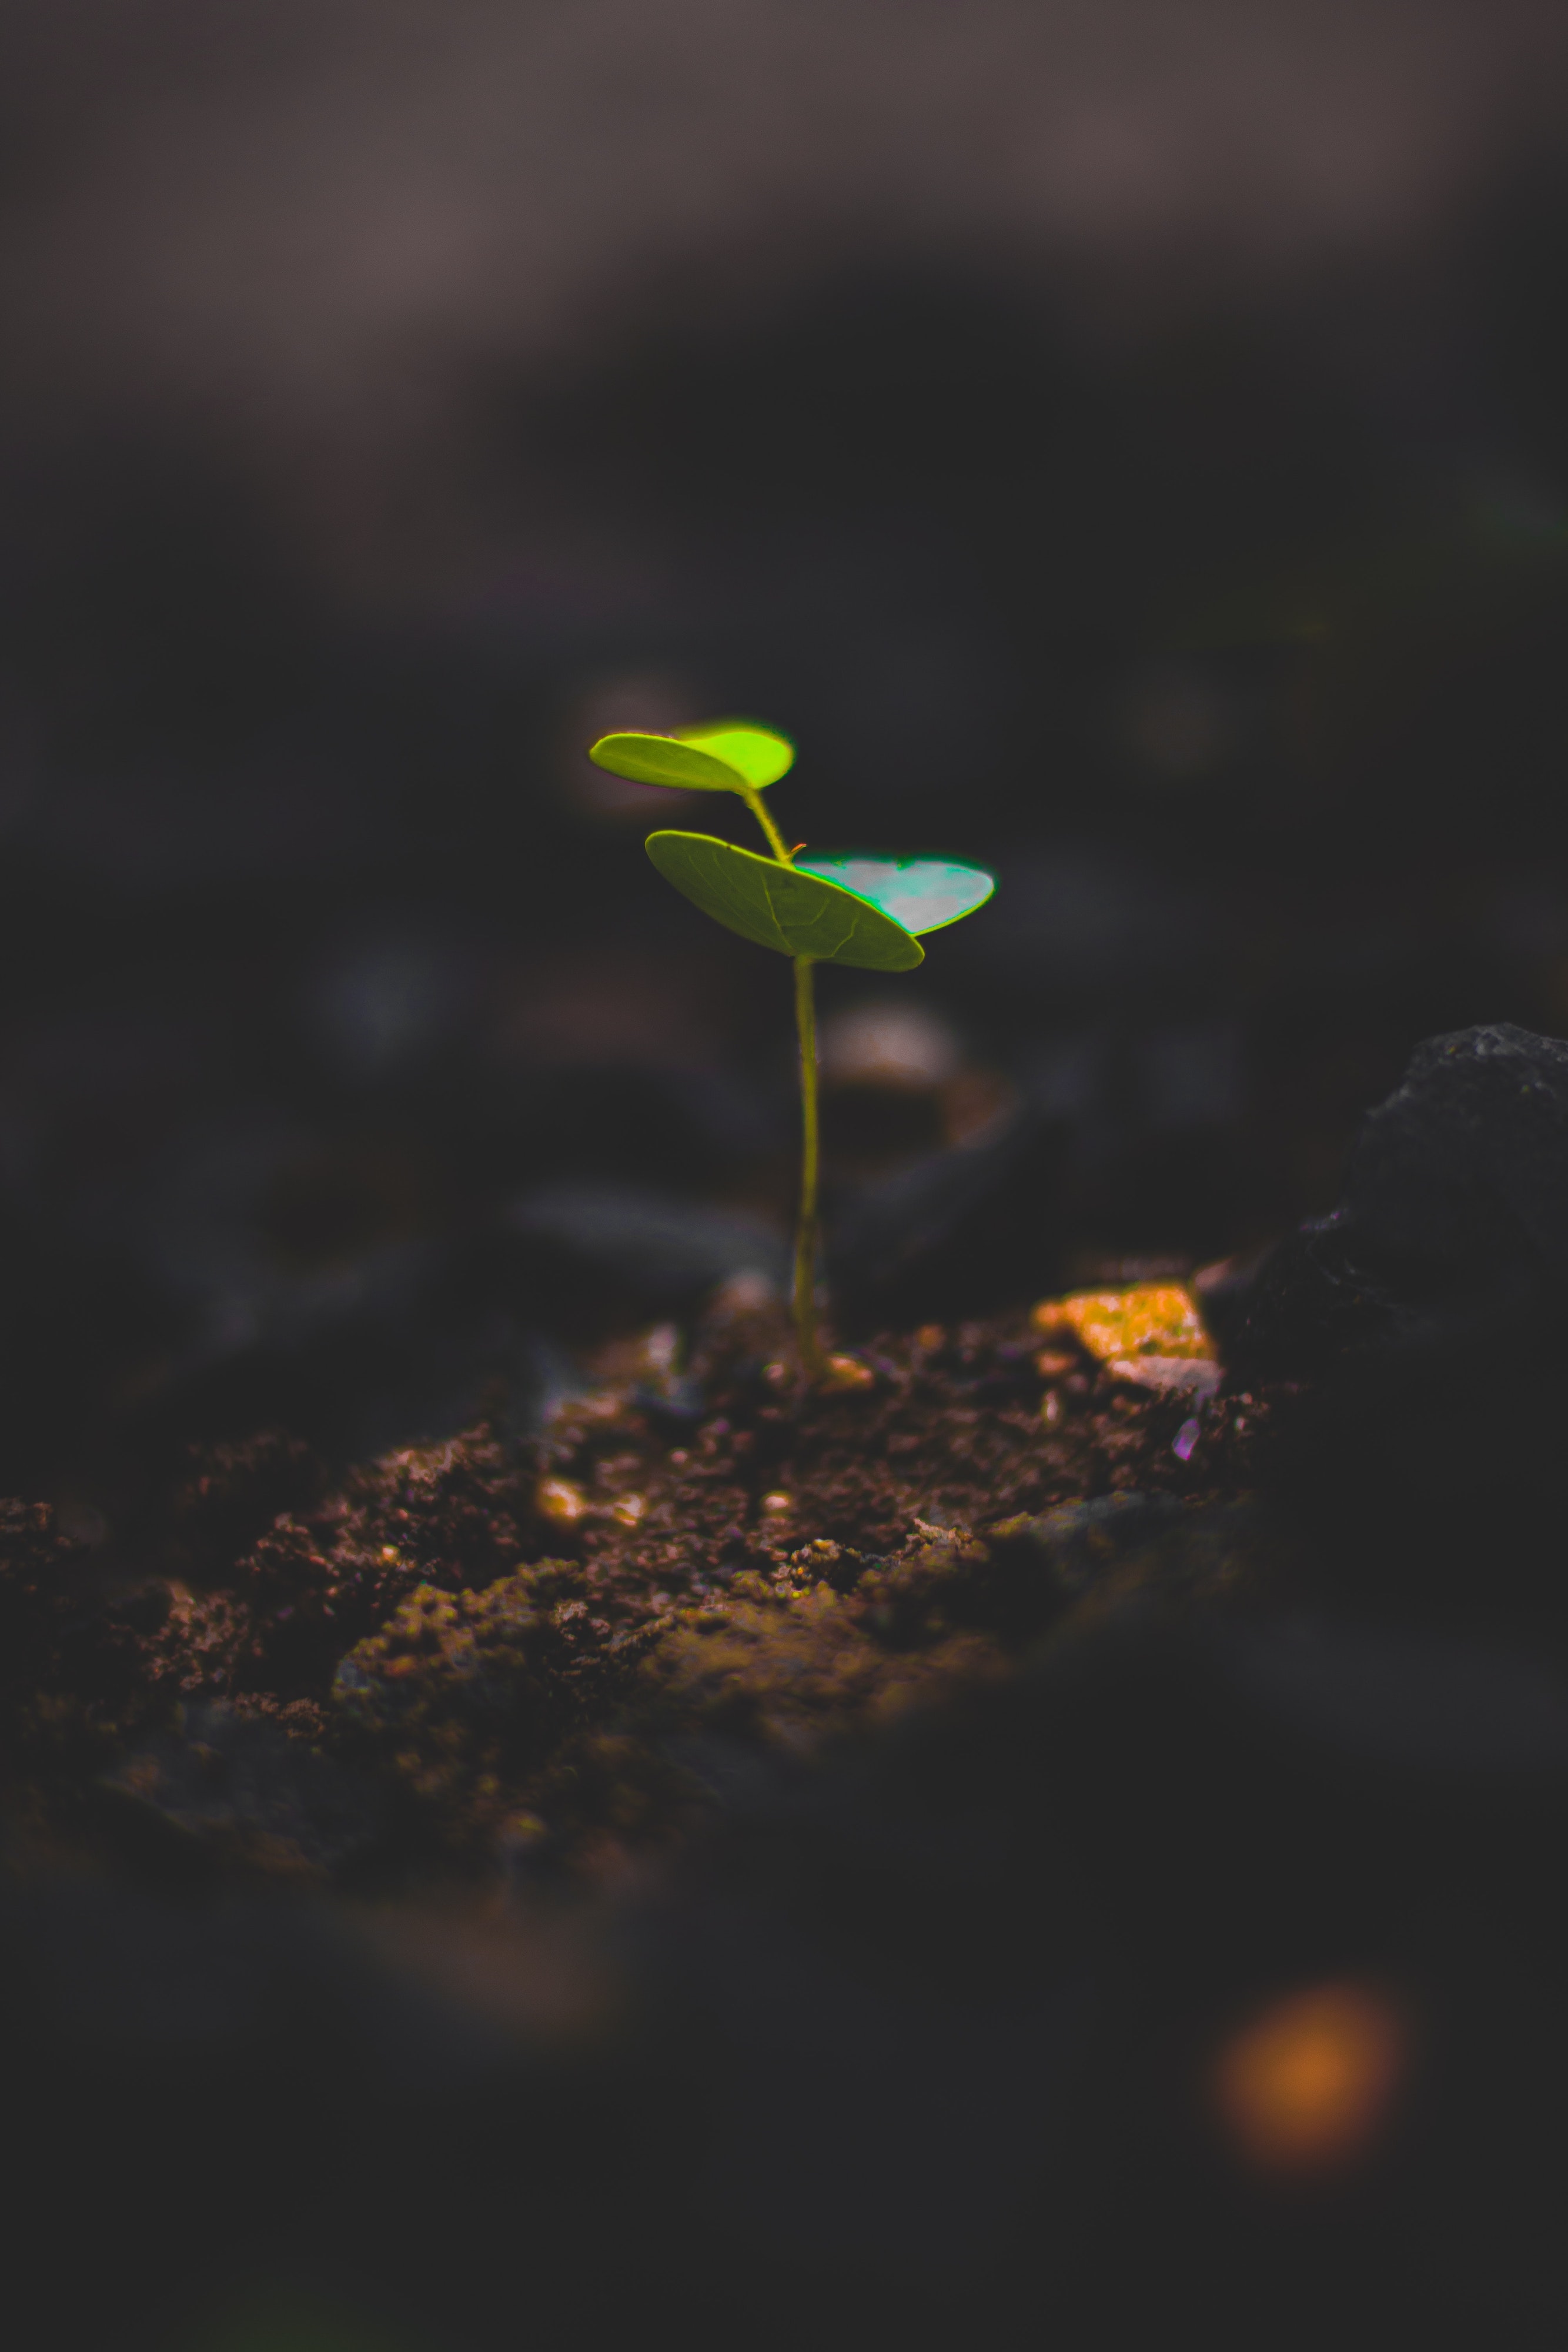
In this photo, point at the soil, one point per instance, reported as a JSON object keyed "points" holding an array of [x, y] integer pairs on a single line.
{"points": [[555, 1653]]}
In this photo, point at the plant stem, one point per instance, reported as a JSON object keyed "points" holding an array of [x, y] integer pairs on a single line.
{"points": [[755, 803], [811, 1354]]}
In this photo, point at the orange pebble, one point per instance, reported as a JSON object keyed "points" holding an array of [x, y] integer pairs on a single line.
{"points": [[1146, 1318]]}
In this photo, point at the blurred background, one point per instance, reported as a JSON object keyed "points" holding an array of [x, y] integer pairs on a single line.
{"points": [[1122, 443], [1125, 443]]}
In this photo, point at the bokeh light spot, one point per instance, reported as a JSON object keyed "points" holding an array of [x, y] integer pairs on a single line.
{"points": [[1307, 2086]]}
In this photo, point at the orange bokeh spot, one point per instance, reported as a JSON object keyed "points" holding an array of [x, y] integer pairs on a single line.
{"points": [[1307, 2086]]}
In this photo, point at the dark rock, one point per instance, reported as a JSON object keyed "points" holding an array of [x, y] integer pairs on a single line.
{"points": [[1456, 1200]]}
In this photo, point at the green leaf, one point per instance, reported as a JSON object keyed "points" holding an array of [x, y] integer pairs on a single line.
{"points": [[661, 759], [761, 755], [920, 893], [780, 908], [724, 755]]}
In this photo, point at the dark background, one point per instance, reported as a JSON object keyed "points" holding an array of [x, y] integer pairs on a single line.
{"points": [[1125, 443]]}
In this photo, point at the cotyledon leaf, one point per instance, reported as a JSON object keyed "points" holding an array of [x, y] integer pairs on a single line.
{"points": [[725, 755], [779, 907], [920, 893], [661, 759]]}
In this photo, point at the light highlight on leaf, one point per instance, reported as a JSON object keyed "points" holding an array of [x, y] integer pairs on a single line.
{"points": [[758, 753], [920, 893]]}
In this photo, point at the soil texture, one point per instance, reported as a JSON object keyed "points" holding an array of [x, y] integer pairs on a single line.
{"points": [[556, 1652]]}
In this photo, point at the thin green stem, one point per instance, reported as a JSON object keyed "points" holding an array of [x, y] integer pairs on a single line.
{"points": [[811, 1354], [755, 803]]}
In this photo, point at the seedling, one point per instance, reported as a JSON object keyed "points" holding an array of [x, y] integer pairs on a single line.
{"points": [[829, 908]]}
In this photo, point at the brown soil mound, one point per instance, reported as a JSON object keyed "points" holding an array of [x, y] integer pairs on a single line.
{"points": [[565, 1646]]}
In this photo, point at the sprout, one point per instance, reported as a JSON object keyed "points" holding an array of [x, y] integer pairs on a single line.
{"points": [[824, 908]]}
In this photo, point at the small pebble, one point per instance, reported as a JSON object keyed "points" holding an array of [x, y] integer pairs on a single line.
{"points": [[1148, 1318], [775, 1505], [1054, 1363], [1186, 1439], [846, 1372], [560, 1500]]}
